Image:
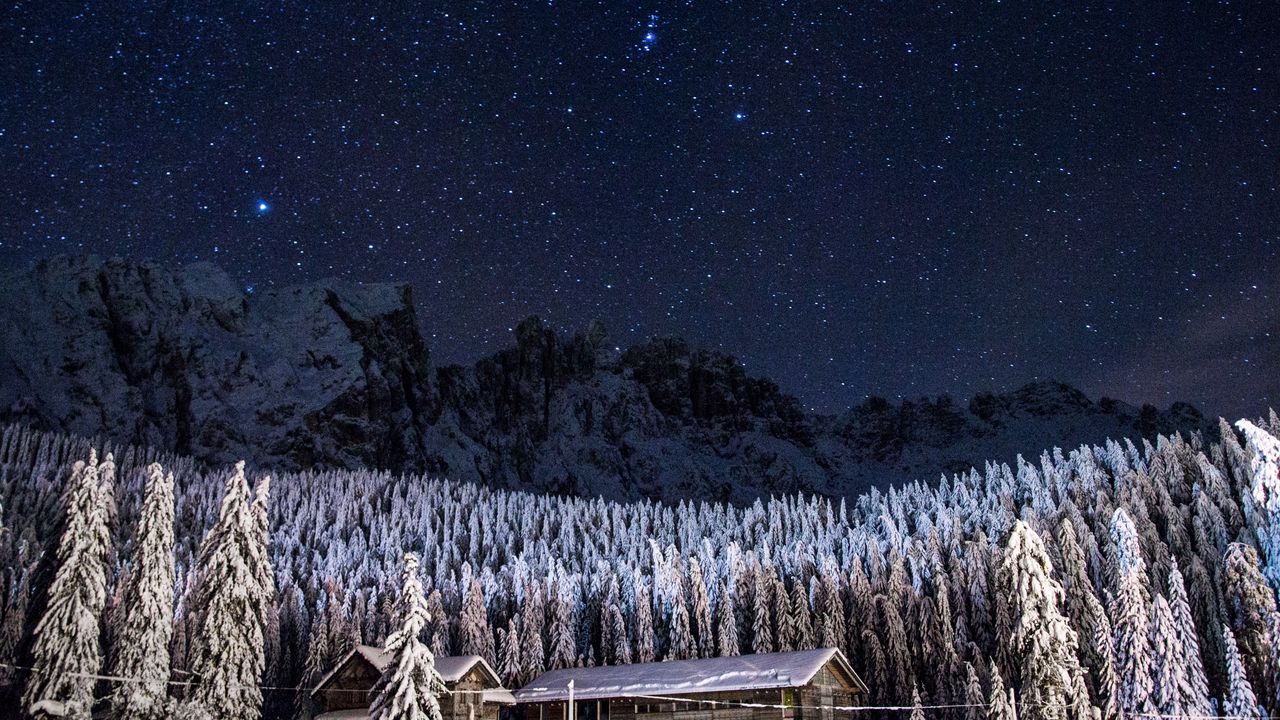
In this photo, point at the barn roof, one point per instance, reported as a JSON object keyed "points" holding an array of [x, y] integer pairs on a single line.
{"points": [[686, 677], [450, 667]]}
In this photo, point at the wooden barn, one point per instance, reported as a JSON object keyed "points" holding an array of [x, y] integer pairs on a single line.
{"points": [[802, 685], [475, 693]]}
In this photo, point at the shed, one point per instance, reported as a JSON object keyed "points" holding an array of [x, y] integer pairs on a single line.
{"points": [[474, 691]]}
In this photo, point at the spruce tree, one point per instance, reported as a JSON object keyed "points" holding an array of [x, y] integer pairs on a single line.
{"points": [[509, 661], [727, 625], [228, 652], [761, 631], [564, 646], [408, 687], [703, 629], [143, 643], [67, 649], [1000, 704], [1263, 502], [1170, 686], [1041, 639], [1252, 614], [473, 627], [646, 650], [1196, 699], [1131, 619], [1241, 704], [974, 700], [680, 642]]}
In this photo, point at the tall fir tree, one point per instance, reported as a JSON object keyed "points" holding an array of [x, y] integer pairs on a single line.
{"points": [[727, 624], [1252, 614], [67, 651], [1041, 637], [1130, 619], [975, 702], [1170, 685], [917, 712], [1263, 501], [1000, 704], [1241, 703], [409, 686], [474, 631], [1196, 699], [228, 653], [142, 651]]}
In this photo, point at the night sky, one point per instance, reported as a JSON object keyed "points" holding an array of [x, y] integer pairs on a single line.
{"points": [[885, 198]]}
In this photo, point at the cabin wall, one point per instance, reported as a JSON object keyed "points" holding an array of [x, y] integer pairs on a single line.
{"points": [[635, 709], [467, 701], [349, 688], [826, 691]]}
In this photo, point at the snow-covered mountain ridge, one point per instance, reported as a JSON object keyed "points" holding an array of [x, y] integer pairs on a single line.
{"points": [[338, 375]]}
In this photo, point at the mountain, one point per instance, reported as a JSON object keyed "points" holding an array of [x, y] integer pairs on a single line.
{"points": [[337, 375]]}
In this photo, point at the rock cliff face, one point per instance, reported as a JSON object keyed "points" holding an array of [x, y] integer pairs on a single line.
{"points": [[338, 375]]}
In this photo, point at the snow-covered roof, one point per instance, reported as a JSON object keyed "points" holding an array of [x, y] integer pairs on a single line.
{"points": [[450, 667], [500, 696], [687, 677]]}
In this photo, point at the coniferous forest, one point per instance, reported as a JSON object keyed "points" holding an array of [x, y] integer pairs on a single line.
{"points": [[1094, 583]]}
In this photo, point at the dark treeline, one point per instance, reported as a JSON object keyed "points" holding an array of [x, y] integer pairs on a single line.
{"points": [[1153, 566]]}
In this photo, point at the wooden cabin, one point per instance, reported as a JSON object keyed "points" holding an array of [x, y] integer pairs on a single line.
{"points": [[474, 691], [801, 685]]}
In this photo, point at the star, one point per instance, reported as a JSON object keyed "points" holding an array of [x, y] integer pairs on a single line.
{"points": [[262, 207], [739, 116]]}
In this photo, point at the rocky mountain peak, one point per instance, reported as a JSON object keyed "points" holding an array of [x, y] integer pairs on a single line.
{"points": [[334, 374]]}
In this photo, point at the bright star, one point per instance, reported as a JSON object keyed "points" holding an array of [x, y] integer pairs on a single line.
{"points": [[739, 116], [263, 207]]}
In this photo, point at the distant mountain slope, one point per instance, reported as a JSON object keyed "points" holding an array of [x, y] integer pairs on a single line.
{"points": [[338, 375]]}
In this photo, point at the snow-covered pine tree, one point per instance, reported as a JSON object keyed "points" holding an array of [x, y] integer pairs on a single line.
{"points": [[727, 624], [1252, 614], [1000, 704], [532, 620], [1241, 703], [620, 653], [473, 627], [1130, 619], [265, 576], [509, 661], [1042, 639], [1102, 666], [645, 640], [800, 617], [438, 628], [1263, 503], [974, 700], [680, 642], [142, 644], [564, 646], [1170, 685], [703, 629], [761, 598], [67, 650], [1196, 700], [228, 651], [917, 712], [408, 687]]}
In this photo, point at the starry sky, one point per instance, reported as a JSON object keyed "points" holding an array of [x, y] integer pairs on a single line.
{"points": [[869, 198]]}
